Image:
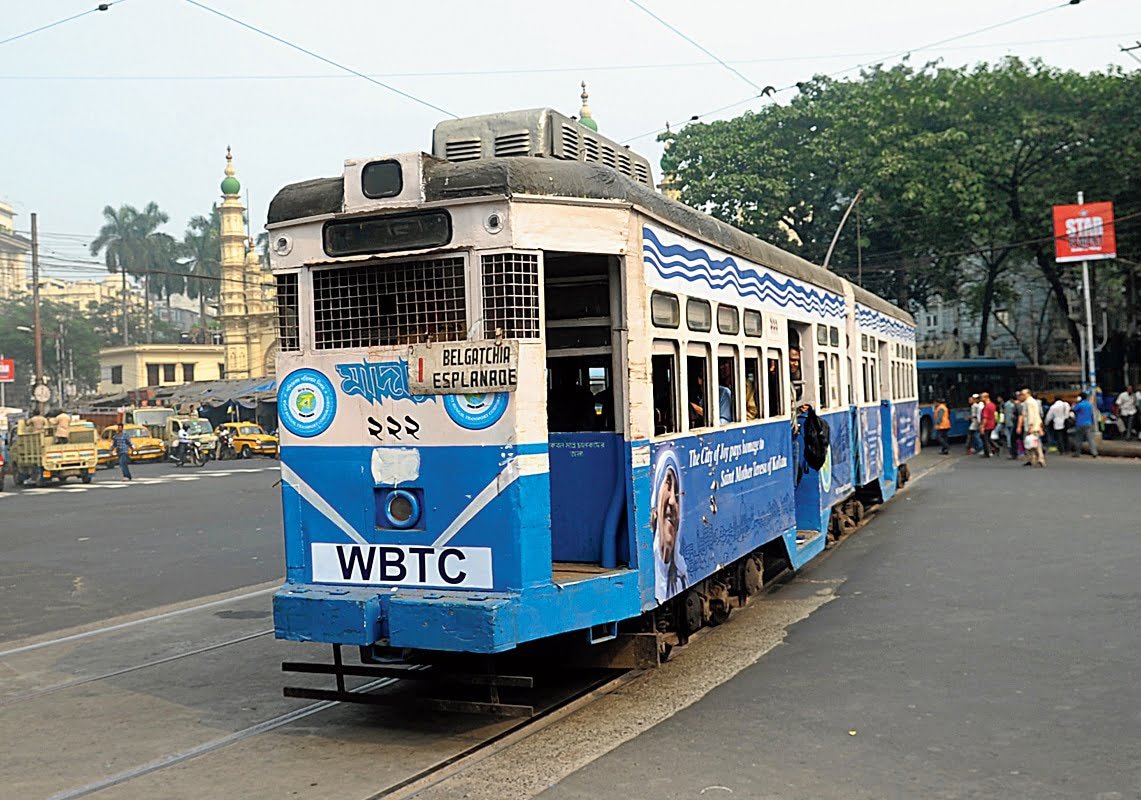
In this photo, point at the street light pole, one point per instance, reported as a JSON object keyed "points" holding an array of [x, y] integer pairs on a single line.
{"points": [[36, 309]]}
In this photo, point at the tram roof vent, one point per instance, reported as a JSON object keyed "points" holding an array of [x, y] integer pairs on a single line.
{"points": [[537, 132]]}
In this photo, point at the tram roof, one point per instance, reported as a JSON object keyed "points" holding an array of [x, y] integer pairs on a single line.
{"points": [[494, 177]]}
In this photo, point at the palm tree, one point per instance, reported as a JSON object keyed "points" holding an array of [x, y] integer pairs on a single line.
{"points": [[118, 242], [202, 247], [151, 244]]}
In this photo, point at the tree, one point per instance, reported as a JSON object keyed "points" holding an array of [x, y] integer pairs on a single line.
{"points": [[132, 243], [958, 167], [202, 249], [118, 243]]}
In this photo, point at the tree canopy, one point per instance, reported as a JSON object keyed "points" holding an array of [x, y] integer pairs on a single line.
{"points": [[958, 170]]}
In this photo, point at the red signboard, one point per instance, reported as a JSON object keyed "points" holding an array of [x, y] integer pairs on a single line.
{"points": [[1084, 232], [7, 370]]}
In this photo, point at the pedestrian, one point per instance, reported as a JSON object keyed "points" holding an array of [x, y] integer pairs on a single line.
{"points": [[1032, 430], [62, 424], [121, 445], [1011, 411], [1083, 426], [1058, 417], [942, 416], [973, 442], [1127, 410], [37, 422], [988, 422]]}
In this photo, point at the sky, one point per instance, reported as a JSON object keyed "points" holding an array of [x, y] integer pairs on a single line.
{"points": [[139, 102]]}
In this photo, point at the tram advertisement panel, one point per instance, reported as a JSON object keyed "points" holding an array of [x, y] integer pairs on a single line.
{"points": [[716, 496], [907, 428]]}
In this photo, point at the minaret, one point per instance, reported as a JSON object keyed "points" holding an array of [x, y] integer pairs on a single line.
{"points": [[233, 290], [585, 117]]}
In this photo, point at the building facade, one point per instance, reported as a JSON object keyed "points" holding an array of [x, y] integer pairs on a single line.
{"points": [[124, 369], [15, 254], [247, 298]]}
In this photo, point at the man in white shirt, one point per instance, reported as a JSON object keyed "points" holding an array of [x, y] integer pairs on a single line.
{"points": [[1055, 422], [974, 442], [1127, 409], [183, 444]]}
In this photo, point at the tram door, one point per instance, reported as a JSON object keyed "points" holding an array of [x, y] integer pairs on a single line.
{"points": [[587, 458]]}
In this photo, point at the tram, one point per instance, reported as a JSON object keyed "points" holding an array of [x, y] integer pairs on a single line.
{"points": [[523, 395]]}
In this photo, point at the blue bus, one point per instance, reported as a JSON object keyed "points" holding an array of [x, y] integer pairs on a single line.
{"points": [[955, 380]]}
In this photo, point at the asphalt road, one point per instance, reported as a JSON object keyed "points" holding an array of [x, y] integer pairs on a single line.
{"points": [[983, 643], [79, 554]]}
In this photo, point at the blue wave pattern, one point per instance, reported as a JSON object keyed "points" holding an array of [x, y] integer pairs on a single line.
{"points": [[881, 323], [697, 266]]}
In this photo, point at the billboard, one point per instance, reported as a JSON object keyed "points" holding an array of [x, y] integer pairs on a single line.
{"points": [[7, 370], [1084, 232]]}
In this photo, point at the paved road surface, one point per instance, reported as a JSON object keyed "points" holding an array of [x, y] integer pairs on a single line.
{"points": [[78, 554], [984, 644]]}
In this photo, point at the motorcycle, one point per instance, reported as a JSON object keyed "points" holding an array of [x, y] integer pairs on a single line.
{"points": [[224, 449], [193, 453]]}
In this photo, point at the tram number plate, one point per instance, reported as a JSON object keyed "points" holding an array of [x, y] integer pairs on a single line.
{"points": [[402, 565], [464, 367]]}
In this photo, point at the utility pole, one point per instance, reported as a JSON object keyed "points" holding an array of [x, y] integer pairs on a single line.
{"points": [[37, 334], [123, 274], [1089, 348]]}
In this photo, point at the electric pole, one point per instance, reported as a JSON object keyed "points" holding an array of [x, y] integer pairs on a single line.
{"points": [[37, 335]]}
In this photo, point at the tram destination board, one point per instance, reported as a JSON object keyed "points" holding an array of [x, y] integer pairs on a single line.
{"points": [[387, 233], [464, 367]]}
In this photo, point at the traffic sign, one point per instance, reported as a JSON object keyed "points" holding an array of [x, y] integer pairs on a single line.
{"points": [[7, 370], [42, 393], [1084, 232]]}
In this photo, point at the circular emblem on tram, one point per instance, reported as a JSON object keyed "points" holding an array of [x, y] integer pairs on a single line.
{"points": [[306, 403], [476, 411]]}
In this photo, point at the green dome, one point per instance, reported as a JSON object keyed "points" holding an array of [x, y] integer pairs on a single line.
{"points": [[588, 122], [230, 185]]}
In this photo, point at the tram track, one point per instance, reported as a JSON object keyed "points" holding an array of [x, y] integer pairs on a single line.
{"points": [[30, 695]]}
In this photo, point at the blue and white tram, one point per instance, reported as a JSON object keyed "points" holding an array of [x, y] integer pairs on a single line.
{"points": [[529, 396]]}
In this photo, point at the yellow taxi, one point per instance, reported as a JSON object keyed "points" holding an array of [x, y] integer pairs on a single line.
{"points": [[250, 439], [104, 451], [142, 443]]}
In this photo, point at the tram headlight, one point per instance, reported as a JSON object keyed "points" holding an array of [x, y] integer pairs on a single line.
{"points": [[401, 509]]}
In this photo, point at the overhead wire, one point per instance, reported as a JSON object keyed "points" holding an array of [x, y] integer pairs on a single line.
{"points": [[702, 48], [323, 59], [523, 70], [101, 7], [837, 73]]}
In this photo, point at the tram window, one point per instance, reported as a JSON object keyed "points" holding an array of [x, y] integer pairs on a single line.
{"points": [[753, 397], [698, 315], [665, 310], [874, 383], [867, 391], [851, 384], [580, 395], [288, 319], [774, 370], [726, 389], [382, 179], [728, 321], [664, 369], [822, 380], [834, 336], [697, 385], [822, 334], [753, 323], [834, 388]]}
